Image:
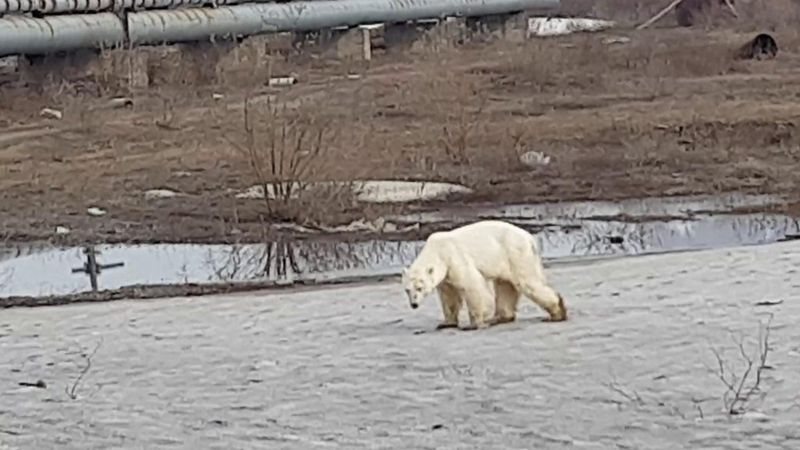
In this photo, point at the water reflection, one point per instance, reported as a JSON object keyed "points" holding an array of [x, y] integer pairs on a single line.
{"points": [[47, 271], [568, 212], [289, 261]]}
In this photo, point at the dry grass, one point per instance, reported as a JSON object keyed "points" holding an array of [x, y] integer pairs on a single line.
{"points": [[670, 112]]}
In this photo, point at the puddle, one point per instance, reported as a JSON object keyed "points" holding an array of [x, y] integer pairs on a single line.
{"points": [[566, 231]]}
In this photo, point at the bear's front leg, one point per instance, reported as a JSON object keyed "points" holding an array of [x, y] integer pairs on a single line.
{"points": [[451, 306]]}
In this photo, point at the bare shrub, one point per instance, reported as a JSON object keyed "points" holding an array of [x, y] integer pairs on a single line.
{"points": [[744, 386], [288, 151], [458, 101]]}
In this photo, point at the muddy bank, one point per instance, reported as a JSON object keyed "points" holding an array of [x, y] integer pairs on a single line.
{"points": [[566, 231]]}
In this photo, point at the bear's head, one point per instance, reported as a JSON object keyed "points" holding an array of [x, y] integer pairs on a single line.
{"points": [[418, 283]]}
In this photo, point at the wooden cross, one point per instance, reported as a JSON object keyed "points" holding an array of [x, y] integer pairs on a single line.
{"points": [[91, 267]]}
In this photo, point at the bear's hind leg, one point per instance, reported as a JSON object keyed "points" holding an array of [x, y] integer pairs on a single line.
{"points": [[544, 296], [451, 306], [506, 301]]}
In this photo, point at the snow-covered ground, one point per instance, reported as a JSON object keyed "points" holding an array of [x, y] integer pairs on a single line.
{"points": [[355, 367]]}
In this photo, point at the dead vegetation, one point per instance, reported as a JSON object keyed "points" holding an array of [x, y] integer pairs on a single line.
{"points": [[288, 149], [743, 380], [672, 111]]}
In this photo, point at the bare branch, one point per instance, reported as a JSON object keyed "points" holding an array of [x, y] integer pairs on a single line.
{"points": [[740, 389], [72, 391]]}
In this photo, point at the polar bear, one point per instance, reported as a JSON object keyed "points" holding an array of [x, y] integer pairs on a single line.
{"points": [[481, 264]]}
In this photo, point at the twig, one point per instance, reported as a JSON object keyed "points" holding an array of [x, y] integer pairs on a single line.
{"points": [[737, 391], [633, 396], [661, 14], [730, 6], [72, 391]]}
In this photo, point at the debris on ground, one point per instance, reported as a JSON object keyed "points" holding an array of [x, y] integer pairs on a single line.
{"points": [[560, 26], [51, 113], [160, 193], [769, 302], [760, 47], [379, 225], [96, 212], [612, 40], [282, 81], [534, 159], [120, 102], [373, 191]]}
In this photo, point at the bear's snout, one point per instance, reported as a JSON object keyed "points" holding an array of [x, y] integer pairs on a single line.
{"points": [[414, 306]]}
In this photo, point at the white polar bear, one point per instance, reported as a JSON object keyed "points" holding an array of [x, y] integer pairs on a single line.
{"points": [[477, 263]]}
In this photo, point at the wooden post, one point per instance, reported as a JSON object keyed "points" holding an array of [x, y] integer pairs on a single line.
{"points": [[366, 36]]}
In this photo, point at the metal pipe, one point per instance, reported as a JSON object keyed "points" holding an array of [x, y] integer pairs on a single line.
{"points": [[25, 35], [21, 35], [79, 6]]}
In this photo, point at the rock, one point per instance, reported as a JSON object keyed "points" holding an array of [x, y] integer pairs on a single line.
{"points": [[96, 212], [160, 193], [611, 40], [51, 113], [217, 97], [534, 159], [282, 81], [62, 230], [120, 102]]}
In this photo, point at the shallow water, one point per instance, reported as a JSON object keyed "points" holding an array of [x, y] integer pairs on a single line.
{"points": [[565, 231]]}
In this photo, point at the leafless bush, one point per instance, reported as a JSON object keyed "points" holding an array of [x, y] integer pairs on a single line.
{"points": [[289, 151], [460, 113], [457, 102], [743, 387]]}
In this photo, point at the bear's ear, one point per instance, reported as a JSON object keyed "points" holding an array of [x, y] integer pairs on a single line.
{"points": [[430, 271]]}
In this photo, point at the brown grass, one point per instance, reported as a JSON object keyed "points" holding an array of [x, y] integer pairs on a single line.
{"points": [[670, 112]]}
